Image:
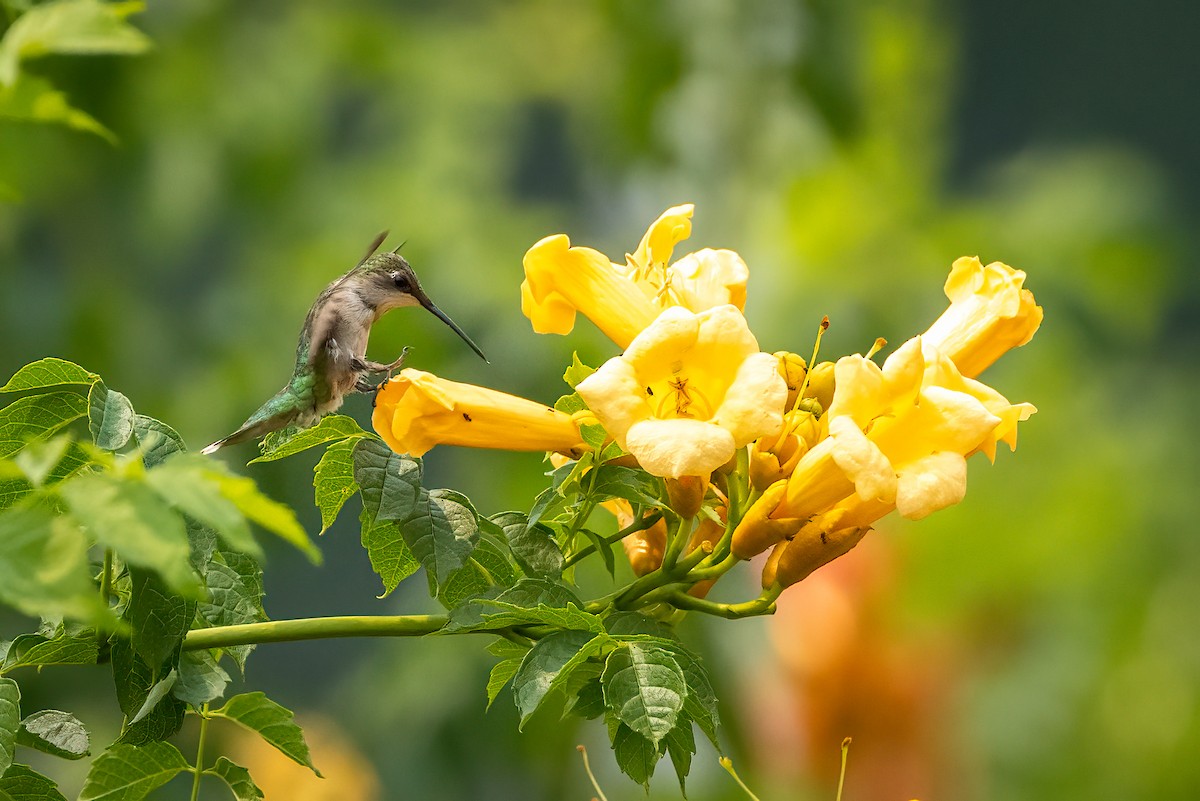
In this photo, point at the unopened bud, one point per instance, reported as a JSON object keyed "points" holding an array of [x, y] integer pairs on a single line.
{"points": [[758, 531], [645, 548], [820, 384], [686, 494], [706, 536], [811, 548], [774, 458], [793, 368]]}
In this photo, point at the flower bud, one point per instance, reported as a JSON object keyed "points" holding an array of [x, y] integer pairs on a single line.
{"points": [[757, 531], [686, 494], [811, 548], [774, 458], [820, 384], [644, 549], [709, 531], [793, 368]]}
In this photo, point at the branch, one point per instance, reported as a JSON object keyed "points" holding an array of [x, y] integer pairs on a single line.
{"points": [[314, 628]]}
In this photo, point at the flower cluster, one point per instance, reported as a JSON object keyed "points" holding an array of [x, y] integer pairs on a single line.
{"points": [[758, 451]]}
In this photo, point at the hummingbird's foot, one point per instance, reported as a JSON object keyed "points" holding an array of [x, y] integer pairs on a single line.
{"points": [[364, 365], [399, 361]]}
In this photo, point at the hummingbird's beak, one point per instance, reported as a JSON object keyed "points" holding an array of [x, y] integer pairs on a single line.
{"points": [[441, 315]]}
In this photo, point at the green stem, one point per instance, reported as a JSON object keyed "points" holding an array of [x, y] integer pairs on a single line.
{"points": [[676, 541], [314, 628], [763, 605], [639, 525], [198, 768], [651, 581], [106, 577]]}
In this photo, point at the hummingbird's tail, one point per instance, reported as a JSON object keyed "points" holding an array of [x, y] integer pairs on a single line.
{"points": [[244, 433]]}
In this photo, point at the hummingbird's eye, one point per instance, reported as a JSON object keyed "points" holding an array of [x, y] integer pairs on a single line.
{"points": [[402, 282]]}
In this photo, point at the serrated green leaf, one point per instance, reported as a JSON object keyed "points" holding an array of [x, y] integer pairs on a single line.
{"points": [[38, 459], [186, 483], [570, 617], [10, 721], [60, 734], [533, 546], [133, 520], [158, 618], [36, 417], [135, 682], [645, 688], [201, 679], [502, 671], [333, 481], [110, 417], [588, 701], [238, 779], [577, 371], [234, 583], [632, 623], [635, 486], [35, 650], [43, 565], [331, 428], [390, 482], [158, 691], [275, 517], [48, 372], [390, 556], [157, 440], [130, 772], [681, 746], [636, 755], [487, 566], [570, 404], [529, 593], [540, 667], [272, 722], [21, 783], [701, 702]]}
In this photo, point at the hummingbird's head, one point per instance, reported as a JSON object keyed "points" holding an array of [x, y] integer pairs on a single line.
{"points": [[390, 283]]}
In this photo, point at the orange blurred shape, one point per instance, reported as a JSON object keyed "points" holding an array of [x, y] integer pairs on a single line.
{"points": [[348, 774], [844, 670]]}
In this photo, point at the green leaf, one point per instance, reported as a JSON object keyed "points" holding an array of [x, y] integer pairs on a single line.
{"points": [[701, 702], [137, 683], [38, 459], [631, 623], [186, 483], [275, 517], [21, 783], [445, 537], [588, 702], [110, 417], [391, 483], [645, 688], [158, 691], [36, 100], [570, 404], [502, 671], [48, 372], [131, 772], [487, 566], [35, 650], [272, 722], [69, 26], [133, 520], [527, 593], [200, 680], [43, 565], [577, 371], [635, 486], [238, 779], [332, 427], [570, 617], [37, 417], [158, 619], [681, 746], [333, 480], [540, 667], [234, 583], [57, 733], [157, 440], [533, 546], [636, 755], [390, 556], [10, 721]]}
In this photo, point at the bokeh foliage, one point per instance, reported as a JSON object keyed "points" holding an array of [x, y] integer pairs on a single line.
{"points": [[261, 147]]}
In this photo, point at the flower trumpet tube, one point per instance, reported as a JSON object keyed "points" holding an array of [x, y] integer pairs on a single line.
{"points": [[688, 392], [990, 313], [622, 299], [758, 530], [416, 410]]}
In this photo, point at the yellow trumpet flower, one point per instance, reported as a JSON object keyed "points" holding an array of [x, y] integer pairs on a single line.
{"points": [[416, 410], [623, 299]]}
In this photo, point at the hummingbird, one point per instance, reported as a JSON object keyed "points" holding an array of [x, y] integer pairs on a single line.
{"points": [[331, 356]]}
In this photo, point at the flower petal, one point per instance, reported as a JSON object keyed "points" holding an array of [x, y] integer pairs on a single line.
{"points": [[616, 396], [753, 405], [679, 447], [709, 278], [672, 227], [930, 484]]}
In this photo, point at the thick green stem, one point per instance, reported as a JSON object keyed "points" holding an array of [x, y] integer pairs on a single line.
{"points": [[763, 605], [198, 768], [106, 577], [676, 542], [314, 628]]}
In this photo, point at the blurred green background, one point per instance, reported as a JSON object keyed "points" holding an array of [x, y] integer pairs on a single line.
{"points": [[1038, 641]]}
